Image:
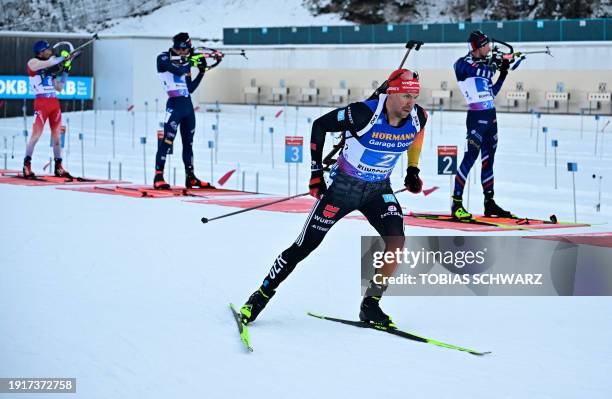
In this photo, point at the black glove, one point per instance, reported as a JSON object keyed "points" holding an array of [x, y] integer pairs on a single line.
{"points": [[316, 185], [494, 59], [413, 182], [504, 66], [202, 65]]}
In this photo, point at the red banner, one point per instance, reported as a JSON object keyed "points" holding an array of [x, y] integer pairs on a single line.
{"points": [[447, 150], [294, 140]]}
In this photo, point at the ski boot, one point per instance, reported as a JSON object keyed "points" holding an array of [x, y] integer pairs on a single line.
{"points": [[27, 168], [370, 312], [191, 181], [491, 209], [255, 304], [158, 182], [59, 170], [458, 212]]}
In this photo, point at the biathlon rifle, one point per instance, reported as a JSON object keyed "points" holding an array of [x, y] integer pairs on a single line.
{"points": [[329, 160], [67, 50], [515, 58], [198, 55]]}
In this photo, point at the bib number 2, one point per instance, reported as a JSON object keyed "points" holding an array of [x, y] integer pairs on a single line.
{"points": [[387, 160]]}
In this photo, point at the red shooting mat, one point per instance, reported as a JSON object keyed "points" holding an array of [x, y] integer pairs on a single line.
{"points": [[595, 239], [139, 191], [12, 177]]}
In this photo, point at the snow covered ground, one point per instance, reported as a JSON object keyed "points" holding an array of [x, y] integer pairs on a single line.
{"points": [[207, 18], [130, 295]]}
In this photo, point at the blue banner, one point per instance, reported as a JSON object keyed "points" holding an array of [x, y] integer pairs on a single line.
{"points": [[18, 87]]}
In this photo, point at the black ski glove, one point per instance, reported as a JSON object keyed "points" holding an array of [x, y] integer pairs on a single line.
{"points": [[413, 182], [504, 66], [202, 65], [317, 186]]}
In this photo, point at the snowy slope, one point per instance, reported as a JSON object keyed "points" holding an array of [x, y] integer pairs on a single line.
{"points": [[154, 17], [207, 18], [130, 295]]}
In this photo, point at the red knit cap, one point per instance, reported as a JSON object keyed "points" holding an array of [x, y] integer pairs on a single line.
{"points": [[403, 81]]}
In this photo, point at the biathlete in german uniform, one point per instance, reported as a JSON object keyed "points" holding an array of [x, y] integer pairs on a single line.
{"points": [[378, 132]]}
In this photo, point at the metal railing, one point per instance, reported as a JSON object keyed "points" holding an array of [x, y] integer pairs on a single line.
{"points": [[516, 31]]}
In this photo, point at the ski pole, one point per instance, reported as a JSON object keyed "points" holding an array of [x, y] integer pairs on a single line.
{"points": [[206, 220]]}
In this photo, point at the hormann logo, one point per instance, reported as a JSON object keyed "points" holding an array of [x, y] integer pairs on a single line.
{"points": [[394, 137]]}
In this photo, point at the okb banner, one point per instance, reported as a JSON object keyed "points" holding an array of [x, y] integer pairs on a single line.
{"points": [[490, 266], [18, 87]]}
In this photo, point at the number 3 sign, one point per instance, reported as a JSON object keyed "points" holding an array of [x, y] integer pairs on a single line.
{"points": [[293, 149]]}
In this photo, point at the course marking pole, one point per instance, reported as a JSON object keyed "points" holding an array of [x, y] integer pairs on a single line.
{"points": [[573, 168], [555, 144], [143, 141]]}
